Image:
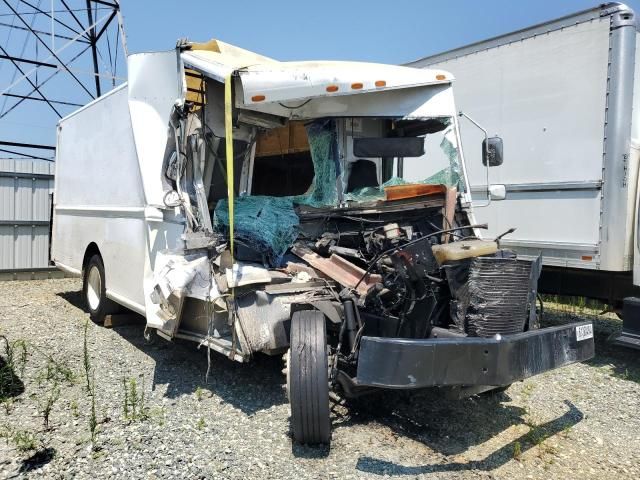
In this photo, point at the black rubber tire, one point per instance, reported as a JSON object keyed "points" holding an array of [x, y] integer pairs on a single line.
{"points": [[105, 306], [308, 378]]}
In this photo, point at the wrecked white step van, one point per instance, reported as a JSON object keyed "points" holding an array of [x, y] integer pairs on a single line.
{"points": [[252, 205]]}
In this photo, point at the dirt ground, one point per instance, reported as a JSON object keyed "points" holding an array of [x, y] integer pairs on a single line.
{"points": [[149, 413]]}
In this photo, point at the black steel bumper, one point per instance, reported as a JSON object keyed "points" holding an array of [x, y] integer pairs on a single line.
{"points": [[406, 363]]}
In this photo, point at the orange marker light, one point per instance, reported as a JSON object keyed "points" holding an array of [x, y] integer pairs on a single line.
{"points": [[332, 88], [587, 258], [381, 83], [356, 86], [441, 77], [258, 98]]}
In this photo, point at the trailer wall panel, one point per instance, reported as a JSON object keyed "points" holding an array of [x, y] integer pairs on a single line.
{"points": [[24, 217], [545, 93]]}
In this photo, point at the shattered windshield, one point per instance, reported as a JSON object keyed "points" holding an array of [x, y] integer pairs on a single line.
{"points": [[325, 162], [328, 163], [438, 163]]}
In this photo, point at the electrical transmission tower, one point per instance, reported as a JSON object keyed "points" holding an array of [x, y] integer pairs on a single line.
{"points": [[55, 56]]}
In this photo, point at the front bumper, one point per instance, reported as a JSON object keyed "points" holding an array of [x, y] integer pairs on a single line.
{"points": [[470, 361]]}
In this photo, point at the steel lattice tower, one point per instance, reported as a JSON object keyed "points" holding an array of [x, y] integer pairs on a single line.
{"points": [[55, 56]]}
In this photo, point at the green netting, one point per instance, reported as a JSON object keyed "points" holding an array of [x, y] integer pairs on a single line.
{"points": [[267, 224], [323, 147]]}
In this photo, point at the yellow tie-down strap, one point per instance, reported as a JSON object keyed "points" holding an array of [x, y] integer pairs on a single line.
{"points": [[228, 134]]}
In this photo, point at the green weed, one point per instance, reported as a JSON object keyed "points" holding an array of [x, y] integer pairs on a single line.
{"points": [[199, 393], [93, 421], [86, 360], [51, 398], [134, 407], [517, 450], [73, 406], [24, 440], [15, 360]]}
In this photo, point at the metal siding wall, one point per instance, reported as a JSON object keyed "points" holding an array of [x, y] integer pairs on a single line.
{"points": [[23, 199]]}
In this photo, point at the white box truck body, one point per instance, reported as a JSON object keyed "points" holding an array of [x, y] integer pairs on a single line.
{"points": [[251, 206], [565, 97]]}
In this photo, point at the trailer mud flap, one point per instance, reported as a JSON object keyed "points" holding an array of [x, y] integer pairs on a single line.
{"points": [[408, 364]]}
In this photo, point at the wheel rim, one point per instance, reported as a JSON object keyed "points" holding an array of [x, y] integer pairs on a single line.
{"points": [[94, 288], [287, 363]]}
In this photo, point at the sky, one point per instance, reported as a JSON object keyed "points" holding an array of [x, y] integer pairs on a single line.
{"points": [[395, 31], [372, 30]]}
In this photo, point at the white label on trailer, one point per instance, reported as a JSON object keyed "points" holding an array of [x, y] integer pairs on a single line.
{"points": [[584, 332]]}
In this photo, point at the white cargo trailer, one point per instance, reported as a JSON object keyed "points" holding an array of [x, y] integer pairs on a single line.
{"points": [[564, 96]]}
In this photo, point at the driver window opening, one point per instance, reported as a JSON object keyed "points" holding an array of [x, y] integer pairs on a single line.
{"points": [[282, 165]]}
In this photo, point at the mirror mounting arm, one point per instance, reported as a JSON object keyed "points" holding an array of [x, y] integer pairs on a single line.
{"points": [[486, 147], [484, 130]]}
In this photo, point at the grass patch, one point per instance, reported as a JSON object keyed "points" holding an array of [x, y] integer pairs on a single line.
{"points": [[24, 440], [73, 406], [575, 306], [200, 392], [56, 372], [517, 450], [537, 436], [46, 406], [201, 424], [528, 389], [134, 407], [86, 363], [630, 375], [157, 414], [93, 421]]}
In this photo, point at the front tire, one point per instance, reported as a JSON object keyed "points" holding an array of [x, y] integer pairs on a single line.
{"points": [[307, 380], [94, 290]]}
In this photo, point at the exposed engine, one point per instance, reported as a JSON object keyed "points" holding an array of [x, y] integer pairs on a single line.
{"points": [[418, 276]]}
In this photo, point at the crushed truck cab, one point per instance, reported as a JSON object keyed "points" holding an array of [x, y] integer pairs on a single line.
{"points": [[315, 210]]}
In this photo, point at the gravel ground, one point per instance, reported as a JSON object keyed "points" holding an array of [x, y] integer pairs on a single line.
{"points": [[581, 421]]}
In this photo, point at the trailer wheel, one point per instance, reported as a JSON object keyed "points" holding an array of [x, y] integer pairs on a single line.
{"points": [[94, 290], [307, 378]]}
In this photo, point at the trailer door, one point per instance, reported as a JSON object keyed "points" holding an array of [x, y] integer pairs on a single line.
{"points": [[546, 97]]}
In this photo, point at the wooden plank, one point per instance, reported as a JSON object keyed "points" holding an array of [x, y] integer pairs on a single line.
{"points": [[123, 320]]}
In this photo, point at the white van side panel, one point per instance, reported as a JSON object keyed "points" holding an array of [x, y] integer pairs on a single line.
{"points": [[155, 84], [537, 93], [99, 197]]}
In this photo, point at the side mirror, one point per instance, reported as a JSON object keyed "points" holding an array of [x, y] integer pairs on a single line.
{"points": [[492, 152]]}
